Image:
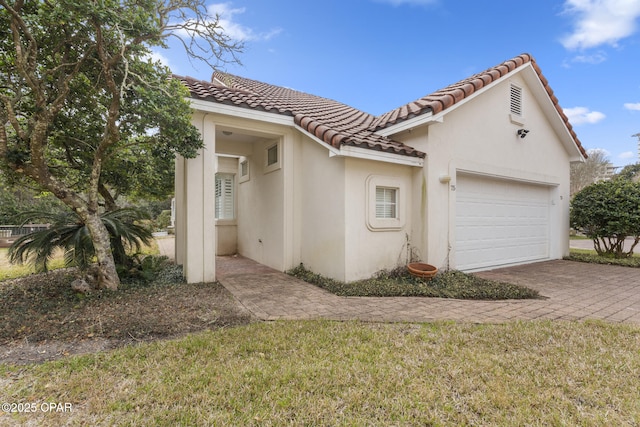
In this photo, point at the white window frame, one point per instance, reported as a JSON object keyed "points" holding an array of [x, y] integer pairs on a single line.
{"points": [[244, 177], [227, 196], [277, 164], [374, 223]]}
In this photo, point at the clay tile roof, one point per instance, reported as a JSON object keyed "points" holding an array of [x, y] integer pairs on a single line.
{"points": [[450, 95], [338, 124], [334, 123]]}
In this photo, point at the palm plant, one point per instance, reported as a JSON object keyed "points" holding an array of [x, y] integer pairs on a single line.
{"points": [[67, 231]]}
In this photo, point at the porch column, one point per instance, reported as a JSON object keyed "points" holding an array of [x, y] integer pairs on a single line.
{"points": [[195, 208]]}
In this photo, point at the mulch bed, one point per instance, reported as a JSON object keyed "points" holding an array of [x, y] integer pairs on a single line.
{"points": [[41, 318]]}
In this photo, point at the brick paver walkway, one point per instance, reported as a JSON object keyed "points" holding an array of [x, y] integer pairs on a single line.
{"points": [[572, 291]]}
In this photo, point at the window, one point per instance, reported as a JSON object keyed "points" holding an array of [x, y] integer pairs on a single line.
{"points": [[225, 196], [244, 169], [516, 100], [386, 203], [272, 157]]}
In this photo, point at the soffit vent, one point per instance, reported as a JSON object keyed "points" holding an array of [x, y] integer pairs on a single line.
{"points": [[516, 100]]}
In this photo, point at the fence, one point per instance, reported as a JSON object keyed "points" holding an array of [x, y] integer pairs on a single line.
{"points": [[7, 231]]}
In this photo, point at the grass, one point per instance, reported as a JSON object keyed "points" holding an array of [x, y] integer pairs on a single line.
{"points": [[398, 282], [348, 374], [14, 271], [591, 256]]}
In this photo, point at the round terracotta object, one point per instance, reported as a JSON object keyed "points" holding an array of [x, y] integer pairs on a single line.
{"points": [[422, 270]]}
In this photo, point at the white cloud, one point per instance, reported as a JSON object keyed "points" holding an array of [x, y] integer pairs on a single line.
{"points": [[226, 14], [599, 22], [592, 59], [235, 30], [632, 106], [596, 58], [593, 151], [157, 56], [626, 155], [582, 115]]}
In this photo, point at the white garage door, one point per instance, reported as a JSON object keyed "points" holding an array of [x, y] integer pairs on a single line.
{"points": [[500, 222]]}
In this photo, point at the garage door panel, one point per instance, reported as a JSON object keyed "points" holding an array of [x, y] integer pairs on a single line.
{"points": [[500, 222]]}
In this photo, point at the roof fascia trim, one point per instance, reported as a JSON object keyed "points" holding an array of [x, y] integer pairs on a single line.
{"points": [[430, 119], [557, 123], [364, 153], [245, 113]]}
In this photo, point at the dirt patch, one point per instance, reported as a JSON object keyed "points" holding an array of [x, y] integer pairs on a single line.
{"points": [[41, 318]]}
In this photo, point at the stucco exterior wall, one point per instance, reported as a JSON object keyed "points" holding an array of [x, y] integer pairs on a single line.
{"points": [[480, 137], [195, 208], [260, 210], [371, 247], [322, 210]]}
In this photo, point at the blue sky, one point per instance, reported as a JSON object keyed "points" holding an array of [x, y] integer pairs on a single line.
{"points": [[376, 55]]}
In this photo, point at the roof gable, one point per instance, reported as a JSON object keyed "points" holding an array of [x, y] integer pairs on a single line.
{"points": [[451, 95]]}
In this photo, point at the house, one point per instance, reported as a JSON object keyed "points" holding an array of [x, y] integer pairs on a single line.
{"points": [[471, 177]]}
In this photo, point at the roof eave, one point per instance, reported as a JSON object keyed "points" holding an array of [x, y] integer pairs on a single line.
{"points": [[429, 118], [562, 129], [207, 106], [364, 153]]}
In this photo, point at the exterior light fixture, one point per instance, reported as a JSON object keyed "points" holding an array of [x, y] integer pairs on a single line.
{"points": [[522, 132], [227, 132]]}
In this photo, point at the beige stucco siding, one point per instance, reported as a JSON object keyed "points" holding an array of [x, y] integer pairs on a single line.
{"points": [[322, 210], [480, 137], [371, 247], [261, 210]]}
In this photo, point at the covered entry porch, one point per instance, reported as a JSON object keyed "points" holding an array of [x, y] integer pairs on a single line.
{"points": [[235, 196]]}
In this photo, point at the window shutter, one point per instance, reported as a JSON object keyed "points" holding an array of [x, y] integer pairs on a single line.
{"points": [[386, 202], [224, 196]]}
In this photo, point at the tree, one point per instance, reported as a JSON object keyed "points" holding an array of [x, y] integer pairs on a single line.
{"points": [[16, 198], [592, 170], [629, 173], [82, 105], [608, 212]]}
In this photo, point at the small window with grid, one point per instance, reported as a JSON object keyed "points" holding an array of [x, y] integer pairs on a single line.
{"points": [[386, 203]]}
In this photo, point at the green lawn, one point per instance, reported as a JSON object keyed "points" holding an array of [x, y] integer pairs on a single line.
{"points": [[13, 271], [331, 373]]}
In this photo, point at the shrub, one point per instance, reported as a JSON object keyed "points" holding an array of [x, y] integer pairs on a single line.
{"points": [[398, 282], [68, 232], [608, 212]]}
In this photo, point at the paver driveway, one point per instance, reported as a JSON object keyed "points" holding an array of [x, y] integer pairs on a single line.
{"points": [[572, 291]]}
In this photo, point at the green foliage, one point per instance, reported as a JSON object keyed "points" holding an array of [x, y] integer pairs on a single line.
{"points": [[163, 220], [14, 202], [629, 173], [608, 212], [398, 282], [593, 258], [68, 232], [139, 268]]}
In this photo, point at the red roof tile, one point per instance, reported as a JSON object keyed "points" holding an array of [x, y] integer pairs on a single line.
{"points": [[338, 124], [450, 95], [334, 123]]}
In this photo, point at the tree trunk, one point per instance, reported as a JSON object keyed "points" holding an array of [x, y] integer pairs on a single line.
{"points": [[107, 273]]}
